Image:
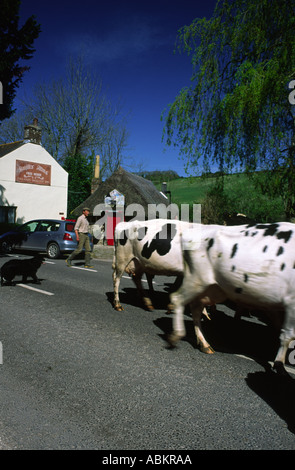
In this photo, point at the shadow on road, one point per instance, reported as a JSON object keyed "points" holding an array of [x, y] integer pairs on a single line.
{"points": [[130, 296], [277, 391], [251, 339], [227, 334]]}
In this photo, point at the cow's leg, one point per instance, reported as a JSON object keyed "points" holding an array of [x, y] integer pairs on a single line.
{"points": [[118, 271], [116, 283], [197, 310], [146, 300], [176, 285], [179, 300], [178, 322], [286, 336], [192, 292], [149, 278]]}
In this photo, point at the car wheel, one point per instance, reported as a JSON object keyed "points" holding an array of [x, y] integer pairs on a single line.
{"points": [[53, 251], [6, 247]]}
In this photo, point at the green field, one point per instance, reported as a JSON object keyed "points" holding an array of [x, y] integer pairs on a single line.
{"points": [[240, 193]]}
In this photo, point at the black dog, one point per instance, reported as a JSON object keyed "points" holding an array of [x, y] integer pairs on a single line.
{"points": [[21, 267]]}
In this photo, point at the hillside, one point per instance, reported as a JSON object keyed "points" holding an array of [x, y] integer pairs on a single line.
{"points": [[240, 195]]}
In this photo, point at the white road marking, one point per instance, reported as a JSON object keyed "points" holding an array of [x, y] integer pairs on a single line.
{"points": [[143, 280], [84, 269], [245, 357], [289, 369], [35, 289]]}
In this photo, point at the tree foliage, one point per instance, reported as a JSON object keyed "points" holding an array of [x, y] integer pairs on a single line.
{"points": [[76, 119], [159, 176], [80, 170], [236, 113], [16, 43]]}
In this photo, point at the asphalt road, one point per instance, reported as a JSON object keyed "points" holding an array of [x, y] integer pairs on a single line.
{"points": [[76, 374]]}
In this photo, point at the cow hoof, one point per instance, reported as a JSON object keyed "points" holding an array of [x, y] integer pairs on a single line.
{"points": [[150, 308], [173, 339], [148, 304], [207, 349], [119, 308]]}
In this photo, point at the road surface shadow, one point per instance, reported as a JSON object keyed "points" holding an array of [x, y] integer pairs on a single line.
{"points": [[229, 335], [277, 391], [131, 296], [252, 339], [14, 282]]}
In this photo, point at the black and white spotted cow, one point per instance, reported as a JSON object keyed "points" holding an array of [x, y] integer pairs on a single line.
{"points": [[152, 247], [252, 265]]}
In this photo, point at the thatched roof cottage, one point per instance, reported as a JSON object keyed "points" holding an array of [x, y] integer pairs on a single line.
{"points": [[134, 188]]}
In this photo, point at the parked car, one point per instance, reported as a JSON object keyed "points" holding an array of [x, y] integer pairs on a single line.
{"points": [[56, 237]]}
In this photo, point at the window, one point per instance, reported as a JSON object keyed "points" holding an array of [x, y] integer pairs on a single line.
{"points": [[48, 226], [70, 226], [29, 227], [54, 227], [7, 214], [44, 226]]}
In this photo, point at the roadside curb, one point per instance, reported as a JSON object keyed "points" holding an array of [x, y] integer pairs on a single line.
{"points": [[103, 252]]}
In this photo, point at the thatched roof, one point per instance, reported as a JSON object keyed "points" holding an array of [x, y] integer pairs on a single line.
{"points": [[135, 189]]}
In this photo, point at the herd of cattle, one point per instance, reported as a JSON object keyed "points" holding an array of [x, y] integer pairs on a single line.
{"points": [[252, 265]]}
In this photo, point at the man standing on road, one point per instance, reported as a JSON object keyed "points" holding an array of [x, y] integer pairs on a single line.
{"points": [[82, 230]]}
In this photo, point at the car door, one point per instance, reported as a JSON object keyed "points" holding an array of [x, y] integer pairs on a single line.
{"points": [[40, 237], [23, 236]]}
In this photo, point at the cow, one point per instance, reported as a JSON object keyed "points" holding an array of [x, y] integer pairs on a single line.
{"points": [[237, 219], [252, 265], [151, 247]]}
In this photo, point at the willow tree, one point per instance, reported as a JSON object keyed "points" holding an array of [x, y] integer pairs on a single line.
{"points": [[237, 113]]}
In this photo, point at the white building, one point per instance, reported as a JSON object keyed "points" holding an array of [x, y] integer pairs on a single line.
{"points": [[32, 184]]}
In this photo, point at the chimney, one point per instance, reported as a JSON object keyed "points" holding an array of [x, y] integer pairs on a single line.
{"points": [[95, 179], [166, 192], [33, 132]]}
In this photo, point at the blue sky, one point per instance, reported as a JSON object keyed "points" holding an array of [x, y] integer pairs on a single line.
{"points": [[130, 45]]}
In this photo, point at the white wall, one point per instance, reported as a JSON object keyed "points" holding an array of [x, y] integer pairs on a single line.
{"points": [[33, 201]]}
